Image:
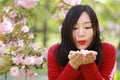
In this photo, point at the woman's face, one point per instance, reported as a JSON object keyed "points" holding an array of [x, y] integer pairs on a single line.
{"points": [[83, 32]]}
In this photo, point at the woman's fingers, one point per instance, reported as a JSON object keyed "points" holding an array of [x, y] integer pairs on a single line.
{"points": [[89, 56], [71, 53], [75, 57], [82, 57]]}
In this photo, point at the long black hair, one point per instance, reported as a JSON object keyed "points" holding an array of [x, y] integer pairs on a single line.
{"points": [[67, 42]]}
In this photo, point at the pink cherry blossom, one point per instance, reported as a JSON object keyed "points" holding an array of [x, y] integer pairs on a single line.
{"points": [[14, 71], [72, 2], [12, 20], [38, 60], [28, 72], [6, 9], [20, 43], [44, 52], [28, 3], [6, 26], [60, 4], [34, 46], [113, 26], [11, 43], [56, 16], [16, 3], [25, 29], [64, 11], [17, 60], [29, 60], [84, 52], [12, 14]]}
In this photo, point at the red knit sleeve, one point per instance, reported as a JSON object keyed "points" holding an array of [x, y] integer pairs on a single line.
{"points": [[54, 70], [107, 66]]}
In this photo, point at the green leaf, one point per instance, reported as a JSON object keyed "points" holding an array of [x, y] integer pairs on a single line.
{"points": [[4, 69], [5, 62], [24, 50], [56, 1]]}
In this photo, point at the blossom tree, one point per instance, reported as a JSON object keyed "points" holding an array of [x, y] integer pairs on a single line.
{"points": [[18, 53]]}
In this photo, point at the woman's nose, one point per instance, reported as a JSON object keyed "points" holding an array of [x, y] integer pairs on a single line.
{"points": [[81, 32]]}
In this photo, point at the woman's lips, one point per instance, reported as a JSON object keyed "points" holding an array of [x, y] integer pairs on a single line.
{"points": [[82, 42]]}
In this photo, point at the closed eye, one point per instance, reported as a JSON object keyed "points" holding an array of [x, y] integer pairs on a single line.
{"points": [[75, 28], [88, 27]]}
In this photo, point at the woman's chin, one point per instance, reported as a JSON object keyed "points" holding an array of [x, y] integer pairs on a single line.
{"points": [[81, 47]]}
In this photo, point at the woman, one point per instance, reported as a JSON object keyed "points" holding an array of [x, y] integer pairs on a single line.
{"points": [[81, 55]]}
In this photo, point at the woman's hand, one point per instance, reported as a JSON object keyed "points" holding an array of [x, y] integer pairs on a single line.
{"points": [[89, 56], [75, 59]]}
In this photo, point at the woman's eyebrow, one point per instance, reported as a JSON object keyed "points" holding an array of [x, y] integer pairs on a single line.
{"points": [[87, 22]]}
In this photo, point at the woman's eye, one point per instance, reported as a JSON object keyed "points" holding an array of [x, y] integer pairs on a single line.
{"points": [[88, 27], [75, 28]]}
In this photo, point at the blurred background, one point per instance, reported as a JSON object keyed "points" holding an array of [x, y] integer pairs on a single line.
{"points": [[46, 17]]}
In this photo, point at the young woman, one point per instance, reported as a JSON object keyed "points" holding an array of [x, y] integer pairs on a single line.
{"points": [[81, 55]]}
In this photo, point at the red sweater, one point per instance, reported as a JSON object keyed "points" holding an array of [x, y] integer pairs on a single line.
{"points": [[103, 71]]}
